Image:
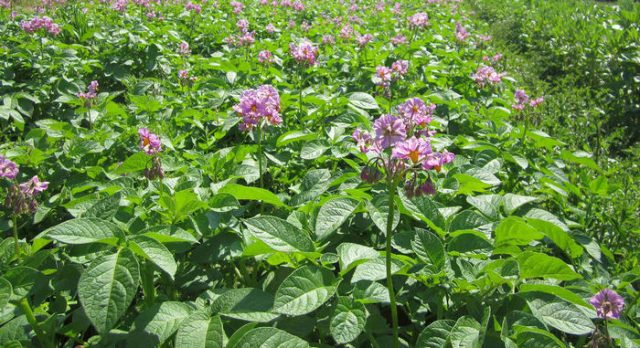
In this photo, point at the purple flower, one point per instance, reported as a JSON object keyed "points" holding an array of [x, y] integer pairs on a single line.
{"points": [[415, 112], [265, 57], [419, 20], [461, 32], [33, 186], [436, 160], [270, 28], [305, 52], [92, 92], [149, 142], [414, 149], [257, 105], [370, 174], [521, 97], [193, 7], [184, 49], [38, 23], [537, 101], [383, 76], [398, 40], [243, 25], [362, 40], [8, 168], [363, 139], [486, 74], [328, 39], [400, 67], [608, 304], [389, 130]]}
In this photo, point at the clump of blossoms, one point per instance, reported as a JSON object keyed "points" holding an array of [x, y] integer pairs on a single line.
{"points": [[304, 52], [494, 59], [608, 304], [522, 101], [419, 20], [237, 7], [328, 39], [183, 48], [190, 6], [91, 93], [487, 74], [398, 40], [363, 40], [399, 152], [45, 24], [185, 78], [461, 33], [259, 107], [385, 75], [265, 57], [150, 144], [270, 28]]}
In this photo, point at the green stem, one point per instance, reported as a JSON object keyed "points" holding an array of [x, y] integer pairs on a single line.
{"points": [[300, 98], [14, 219], [147, 284], [26, 309], [392, 295]]}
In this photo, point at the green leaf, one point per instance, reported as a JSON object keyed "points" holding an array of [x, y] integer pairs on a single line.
{"points": [[467, 184], [367, 292], [241, 192], [104, 209], [5, 292], [279, 234], [436, 335], [270, 337], [313, 149], [332, 214], [379, 211], [515, 231], [347, 321], [512, 202], [465, 333], [135, 163], [157, 323], [532, 337], [580, 157], [424, 209], [304, 290], [537, 265], [374, 269], [489, 205], [155, 252], [559, 237], [561, 292], [363, 101], [563, 316], [314, 183], [245, 304], [351, 254], [84, 231], [294, 136], [107, 287], [200, 331], [429, 248]]}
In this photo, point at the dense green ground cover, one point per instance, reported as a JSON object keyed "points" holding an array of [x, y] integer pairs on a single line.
{"points": [[187, 205]]}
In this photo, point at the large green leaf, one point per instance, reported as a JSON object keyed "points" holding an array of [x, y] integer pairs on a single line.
{"points": [[515, 231], [465, 333], [562, 239], [363, 101], [532, 337], [107, 287], [537, 265], [84, 231], [436, 335], [561, 315], [347, 321], [137, 162], [351, 254], [155, 252], [304, 290], [245, 304], [429, 248], [332, 214], [200, 331], [5, 292], [279, 234], [157, 323], [241, 192], [379, 211], [269, 337]]}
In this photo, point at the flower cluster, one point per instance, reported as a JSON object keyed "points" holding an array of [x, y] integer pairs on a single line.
{"points": [[363, 40], [265, 57], [149, 142], [400, 146], [304, 53], [608, 304], [328, 39], [258, 105], [184, 49], [245, 38], [21, 198], [496, 58], [237, 7], [419, 20], [461, 32], [38, 23], [91, 93], [398, 40], [120, 5], [385, 75], [486, 74], [270, 28], [522, 100], [190, 6]]}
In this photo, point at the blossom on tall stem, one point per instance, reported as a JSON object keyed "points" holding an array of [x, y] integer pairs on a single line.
{"points": [[237, 7], [270, 28], [149, 142], [90, 94], [265, 57], [259, 107], [363, 40], [487, 74], [45, 24], [190, 6], [304, 52], [183, 48], [398, 40], [608, 304], [523, 100], [8, 168], [419, 20], [328, 39], [461, 33]]}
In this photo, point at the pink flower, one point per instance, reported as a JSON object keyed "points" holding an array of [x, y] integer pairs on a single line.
{"points": [[415, 112], [389, 130], [383, 76], [537, 101], [328, 39], [419, 20], [237, 6], [33, 186], [92, 92], [400, 67], [436, 160], [40, 23], [363, 139], [149, 142], [608, 304], [265, 57], [362, 40], [414, 149], [346, 32], [270, 28], [8, 168], [461, 32], [243, 25], [486, 74], [184, 49], [398, 40], [304, 52], [257, 105]]}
